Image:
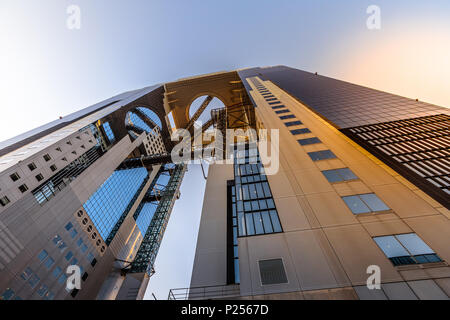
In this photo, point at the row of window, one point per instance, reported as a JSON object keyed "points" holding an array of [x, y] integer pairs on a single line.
{"points": [[39, 177], [400, 249]]}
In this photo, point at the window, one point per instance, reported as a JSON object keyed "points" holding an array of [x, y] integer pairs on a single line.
{"points": [[292, 123], [405, 249], [26, 274], [58, 149], [79, 242], [282, 111], [365, 203], [74, 262], [42, 255], [271, 99], [39, 177], [338, 175], [42, 290], [49, 296], [289, 116], [53, 168], [272, 272], [23, 188], [300, 131], [4, 201], [90, 257], [56, 273], [73, 233], [321, 155], [32, 166], [15, 176], [278, 107], [47, 157], [62, 279], [49, 262], [68, 226], [68, 256], [305, 142], [274, 103], [8, 294], [33, 281]]}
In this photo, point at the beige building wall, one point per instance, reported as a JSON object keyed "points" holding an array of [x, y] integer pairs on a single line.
{"points": [[325, 248]]}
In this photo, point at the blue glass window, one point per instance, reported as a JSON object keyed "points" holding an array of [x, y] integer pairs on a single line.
{"points": [[282, 111], [300, 131], [289, 116], [106, 206], [338, 175], [365, 203], [42, 255], [292, 123], [405, 249], [305, 142], [321, 155], [109, 132]]}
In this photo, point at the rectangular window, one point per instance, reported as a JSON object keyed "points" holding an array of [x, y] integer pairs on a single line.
{"points": [[305, 142], [73, 233], [49, 262], [274, 103], [292, 123], [365, 203], [69, 255], [32, 166], [23, 188], [39, 177], [42, 255], [47, 157], [42, 290], [4, 201], [8, 294], [15, 176], [56, 273], [33, 281], [53, 168], [282, 111], [321, 155], [300, 131], [26, 274], [69, 226], [289, 116], [339, 175], [278, 107], [405, 249], [271, 99]]}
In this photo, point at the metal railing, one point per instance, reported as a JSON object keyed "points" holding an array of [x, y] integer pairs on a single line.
{"points": [[204, 293]]}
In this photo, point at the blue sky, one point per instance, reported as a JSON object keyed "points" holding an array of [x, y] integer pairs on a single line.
{"points": [[47, 70]]}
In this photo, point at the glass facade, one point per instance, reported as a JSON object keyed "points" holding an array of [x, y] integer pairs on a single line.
{"points": [[107, 205], [404, 249], [253, 206]]}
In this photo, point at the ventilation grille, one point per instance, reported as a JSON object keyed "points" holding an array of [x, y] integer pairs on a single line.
{"points": [[272, 272]]}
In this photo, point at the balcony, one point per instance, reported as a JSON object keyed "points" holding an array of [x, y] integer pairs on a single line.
{"points": [[205, 293]]}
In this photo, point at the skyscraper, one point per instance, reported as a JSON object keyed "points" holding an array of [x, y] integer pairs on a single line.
{"points": [[363, 184]]}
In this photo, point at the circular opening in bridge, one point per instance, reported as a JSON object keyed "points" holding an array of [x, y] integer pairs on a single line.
{"points": [[211, 104], [142, 119]]}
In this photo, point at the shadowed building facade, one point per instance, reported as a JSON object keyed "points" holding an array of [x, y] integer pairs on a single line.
{"points": [[363, 180]]}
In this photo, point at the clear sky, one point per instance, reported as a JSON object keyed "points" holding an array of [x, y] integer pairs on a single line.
{"points": [[47, 70]]}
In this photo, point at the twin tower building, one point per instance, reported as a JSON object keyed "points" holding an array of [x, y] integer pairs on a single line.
{"points": [[362, 189]]}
